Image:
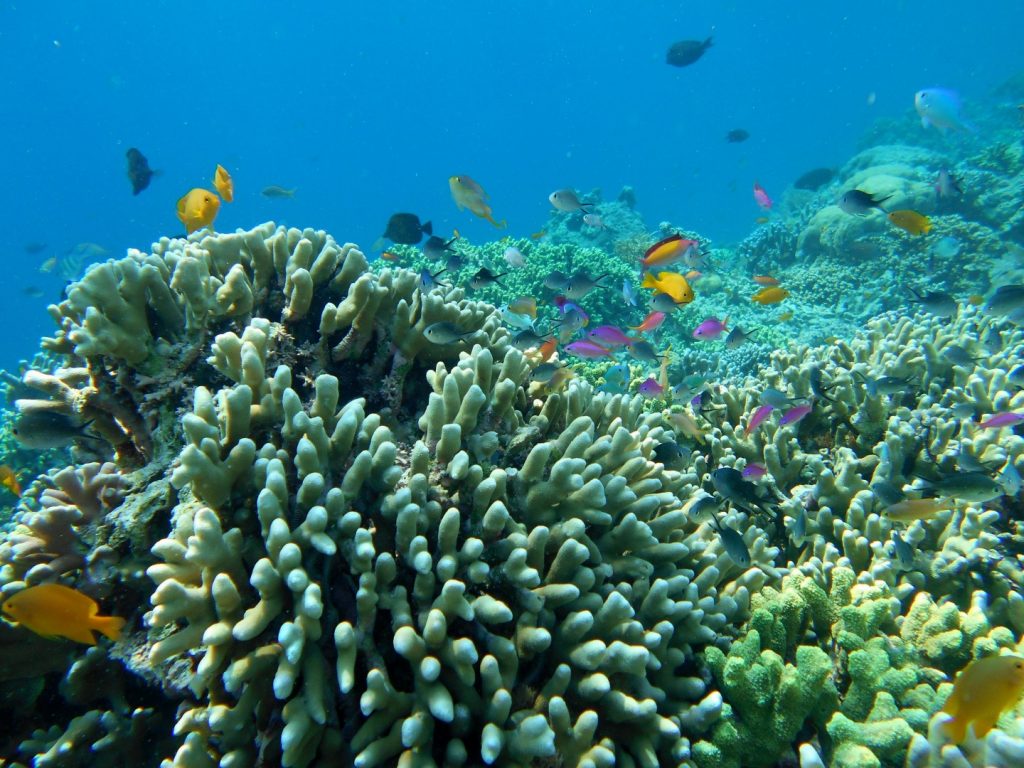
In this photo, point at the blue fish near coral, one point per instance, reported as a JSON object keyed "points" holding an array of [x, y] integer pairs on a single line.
{"points": [[940, 107]]}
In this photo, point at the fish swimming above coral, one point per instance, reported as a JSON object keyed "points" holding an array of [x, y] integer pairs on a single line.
{"points": [[405, 229], [469, 194], [683, 53], [857, 202], [940, 107], [981, 692], [567, 201], [198, 209], [223, 183], [139, 172]]}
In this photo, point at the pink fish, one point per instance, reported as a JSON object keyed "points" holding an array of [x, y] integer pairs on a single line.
{"points": [[1000, 420], [651, 388], [710, 329], [762, 197], [588, 349], [651, 322], [754, 470], [793, 415], [757, 418], [610, 336]]}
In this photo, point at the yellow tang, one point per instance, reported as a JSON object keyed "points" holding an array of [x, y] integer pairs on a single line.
{"points": [[198, 209], [911, 221], [53, 610], [983, 689], [670, 283], [773, 294]]}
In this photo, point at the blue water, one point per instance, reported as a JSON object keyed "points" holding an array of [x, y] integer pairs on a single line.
{"points": [[367, 112]]}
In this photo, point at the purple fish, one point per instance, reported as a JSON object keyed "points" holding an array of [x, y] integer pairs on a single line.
{"points": [[710, 329], [760, 414], [754, 470], [1000, 420], [587, 349], [651, 388], [610, 336], [793, 415]]}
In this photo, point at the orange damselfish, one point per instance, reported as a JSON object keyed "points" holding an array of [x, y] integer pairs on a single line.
{"points": [[53, 610]]}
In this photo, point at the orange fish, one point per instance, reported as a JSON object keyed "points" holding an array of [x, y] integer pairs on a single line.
{"points": [[771, 295], [982, 691], [198, 209], [910, 221], [765, 280], [53, 610], [222, 181], [547, 349], [761, 220], [9, 480], [524, 305], [667, 251], [468, 194], [652, 321], [693, 274], [389, 256], [975, 300]]}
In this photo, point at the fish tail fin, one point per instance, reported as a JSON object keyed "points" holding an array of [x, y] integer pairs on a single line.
{"points": [[378, 244], [499, 224], [428, 228], [110, 626], [648, 281]]}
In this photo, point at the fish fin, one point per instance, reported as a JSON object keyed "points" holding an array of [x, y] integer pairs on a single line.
{"points": [[428, 228], [378, 244], [110, 626]]}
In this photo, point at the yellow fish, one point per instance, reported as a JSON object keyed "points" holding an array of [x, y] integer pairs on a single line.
{"points": [[524, 305], [198, 209], [918, 509], [53, 610], [49, 265], [983, 689], [222, 181], [671, 283], [9, 480], [786, 316], [468, 194], [773, 294], [685, 424], [975, 300], [911, 221]]}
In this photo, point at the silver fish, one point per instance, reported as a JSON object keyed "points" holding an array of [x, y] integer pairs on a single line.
{"points": [[778, 399], [566, 200], [938, 303], [959, 355], [445, 332], [1009, 478], [629, 292]]}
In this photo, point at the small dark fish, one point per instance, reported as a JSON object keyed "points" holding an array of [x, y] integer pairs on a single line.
{"points": [[485, 277], [703, 506], [33, 291], [445, 333], [947, 185], [738, 337], [938, 303], [817, 388], [992, 340], [730, 484], [544, 373], [815, 179], [556, 281], [643, 350], [686, 52], [405, 228], [275, 191], [886, 385], [567, 201], [734, 544], [580, 284], [1006, 300], [139, 172], [526, 339], [34, 249], [737, 136], [857, 202], [959, 355], [429, 282], [888, 493], [778, 399], [670, 452], [437, 248], [40, 430]]}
